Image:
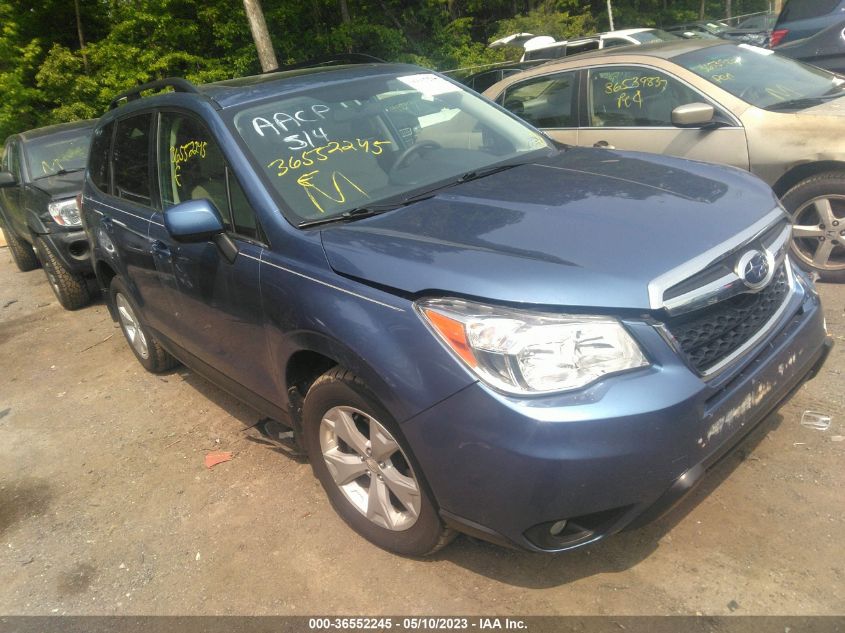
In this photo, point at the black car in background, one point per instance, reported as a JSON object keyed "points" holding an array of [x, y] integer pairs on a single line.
{"points": [[803, 18], [825, 49], [40, 177]]}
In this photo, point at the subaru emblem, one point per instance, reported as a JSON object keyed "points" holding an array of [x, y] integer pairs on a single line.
{"points": [[755, 269]]}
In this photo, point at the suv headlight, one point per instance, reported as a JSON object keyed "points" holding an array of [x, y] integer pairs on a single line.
{"points": [[522, 352], [65, 212]]}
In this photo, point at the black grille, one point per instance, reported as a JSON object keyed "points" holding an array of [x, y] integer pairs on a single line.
{"points": [[709, 335]]}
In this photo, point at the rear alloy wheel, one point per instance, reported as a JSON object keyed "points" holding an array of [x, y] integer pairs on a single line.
{"points": [[355, 451], [817, 206], [22, 252], [71, 289], [142, 342]]}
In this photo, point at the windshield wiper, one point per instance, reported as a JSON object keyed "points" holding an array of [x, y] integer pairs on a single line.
{"points": [[804, 102], [61, 172], [357, 213]]}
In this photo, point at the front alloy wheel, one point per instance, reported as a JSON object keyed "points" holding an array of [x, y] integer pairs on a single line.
{"points": [[358, 455], [819, 232], [370, 468]]}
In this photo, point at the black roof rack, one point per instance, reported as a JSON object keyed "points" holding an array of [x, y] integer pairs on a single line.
{"points": [[177, 83], [331, 60]]}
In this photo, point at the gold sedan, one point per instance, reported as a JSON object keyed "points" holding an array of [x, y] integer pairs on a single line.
{"points": [[713, 101]]}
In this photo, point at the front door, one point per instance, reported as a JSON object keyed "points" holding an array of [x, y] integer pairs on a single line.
{"points": [[547, 102], [217, 314], [630, 107]]}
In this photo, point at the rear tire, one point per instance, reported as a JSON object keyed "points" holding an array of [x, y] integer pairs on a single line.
{"points": [[146, 347], [71, 289], [817, 207], [359, 456], [22, 252]]}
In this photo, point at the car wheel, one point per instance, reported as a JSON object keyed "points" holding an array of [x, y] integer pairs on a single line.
{"points": [[21, 250], [359, 457], [71, 289], [146, 347], [817, 207]]}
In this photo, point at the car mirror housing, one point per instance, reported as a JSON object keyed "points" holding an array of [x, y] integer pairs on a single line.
{"points": [[193, 221], [693, 115], [7, 179]]}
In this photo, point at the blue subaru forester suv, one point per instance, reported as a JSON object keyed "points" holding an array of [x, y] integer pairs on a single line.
{"points": [[467, 327]]}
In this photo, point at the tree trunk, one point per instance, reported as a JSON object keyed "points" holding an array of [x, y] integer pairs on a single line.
{"points": [[728, 8], [81, 36], [258, 27], [701, 12], [344, 12]]}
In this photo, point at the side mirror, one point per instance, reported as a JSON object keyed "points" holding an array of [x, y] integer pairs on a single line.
{"points": [[7, 179], [199, 221], [693, 115], [193, 221]]}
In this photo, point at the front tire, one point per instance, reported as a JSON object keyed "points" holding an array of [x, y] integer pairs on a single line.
{"points": [[817, 207], [21, 250], [357, 454], [143, 343], [71, 289]]}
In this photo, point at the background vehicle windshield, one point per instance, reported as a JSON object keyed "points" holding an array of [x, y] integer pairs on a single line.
{"points": [[65, 151], [654, 35], [367, 141], [759, 76]]}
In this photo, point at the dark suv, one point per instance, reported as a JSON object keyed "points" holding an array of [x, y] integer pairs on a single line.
{"points": [[467, 327], [41, 176], [802, 18]]}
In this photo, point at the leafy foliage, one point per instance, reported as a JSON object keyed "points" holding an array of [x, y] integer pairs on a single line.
{"points": [[46, 76]]}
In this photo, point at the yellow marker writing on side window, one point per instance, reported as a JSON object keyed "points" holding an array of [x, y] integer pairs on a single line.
{"points": [[312, 190], [182, 154]]}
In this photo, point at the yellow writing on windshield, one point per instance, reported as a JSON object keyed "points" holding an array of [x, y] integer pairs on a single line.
{"points": [[626, 100], [51, 168], [655, 83], [722, 77], [182, 154], [317, 195], [717, 64], [323, 153]]}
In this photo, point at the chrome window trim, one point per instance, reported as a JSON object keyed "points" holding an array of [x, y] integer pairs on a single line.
{"points": [[661, 283]]}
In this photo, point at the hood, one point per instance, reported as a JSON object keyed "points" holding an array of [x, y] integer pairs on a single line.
{"points": [[585, 228], [60, 185]]}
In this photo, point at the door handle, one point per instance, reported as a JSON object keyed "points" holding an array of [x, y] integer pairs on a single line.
{"points": [[160, 249], [107, 224], [603, 145]]}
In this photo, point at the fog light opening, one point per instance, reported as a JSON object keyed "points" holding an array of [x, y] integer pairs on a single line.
{"points": [[557, 527]]}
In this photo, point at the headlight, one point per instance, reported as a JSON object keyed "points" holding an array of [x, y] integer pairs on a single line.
{"points": [[523, 352], [65, 212]]}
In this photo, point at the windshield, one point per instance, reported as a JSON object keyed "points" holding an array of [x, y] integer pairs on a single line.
{"points": [[368, 141], [760, 77], [654, 35], [62, 152]]}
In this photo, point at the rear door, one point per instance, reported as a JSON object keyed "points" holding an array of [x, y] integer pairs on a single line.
{"points": [[630, 107]]}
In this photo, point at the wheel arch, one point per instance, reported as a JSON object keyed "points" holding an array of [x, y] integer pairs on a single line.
{"points": [[105, 273], [311, 354], [803, 171]]}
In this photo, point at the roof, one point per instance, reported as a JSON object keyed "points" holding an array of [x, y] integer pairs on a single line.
{"points": [[663, 50], [30, 135], [232, 92]]}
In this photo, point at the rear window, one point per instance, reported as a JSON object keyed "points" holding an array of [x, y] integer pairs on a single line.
{"points": [[804, 9]]}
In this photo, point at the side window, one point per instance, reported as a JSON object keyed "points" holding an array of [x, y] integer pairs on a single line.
{"points": [[545, 102], [631, 96], [12, 161], [191, 167], [614, 41], [130, 159], [98, 163]]}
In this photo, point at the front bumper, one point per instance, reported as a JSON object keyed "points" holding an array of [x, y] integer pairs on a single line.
{"points": [[612, 456], [72, 248]]}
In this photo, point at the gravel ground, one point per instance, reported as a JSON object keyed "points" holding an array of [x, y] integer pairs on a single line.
{"points": [[106, 506]]}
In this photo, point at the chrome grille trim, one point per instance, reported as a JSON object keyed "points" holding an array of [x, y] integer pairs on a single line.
{"points": [[659, 285]]}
